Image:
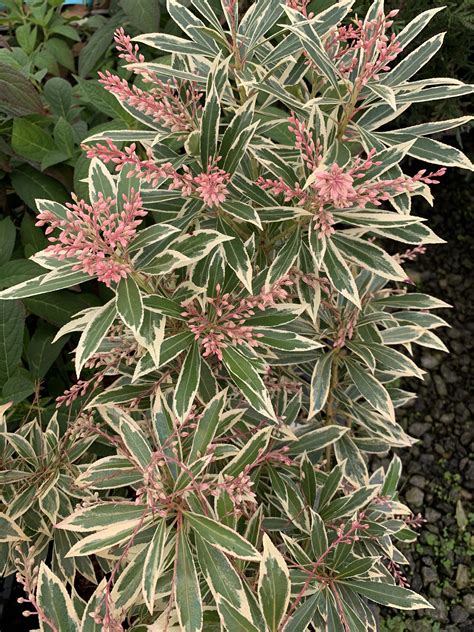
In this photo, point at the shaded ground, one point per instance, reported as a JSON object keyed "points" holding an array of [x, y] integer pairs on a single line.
{"points": [[439, 471]]}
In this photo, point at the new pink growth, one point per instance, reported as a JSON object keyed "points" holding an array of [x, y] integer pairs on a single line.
{"points": [[221, 322], [301, 6], [96, 235]]}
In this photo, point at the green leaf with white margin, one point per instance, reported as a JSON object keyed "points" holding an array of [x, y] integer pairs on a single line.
{"points": [[412, 300], [319, 536], [369, 256], [210, 128], [317, 439], [100, 181], [221, 577], [233, 619], [355, 469], [151, 334], [172, 44], [435, 152], [320, 383], [388, 595], [153, 565], [57, 279], [392, 477], [259, 20], [413, 62], [285, 340], [339, 274], [284, 259], [129, 303], [152, 235], [207, 426], [274, 585], [186, 587], [249, 453], [245, 376], [304, 614], [413, 28], [10, 531], [242, 211], [105, 539], [55, 603], [185, 250], [223, 538], [133, 437], [127, 182], [312, 44], [371, 389], [385, 93], [100, 516], [236, 256], [101, 320], [188, 382]]}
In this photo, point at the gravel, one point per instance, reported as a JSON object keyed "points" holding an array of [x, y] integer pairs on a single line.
{"points": [[439, 469]]}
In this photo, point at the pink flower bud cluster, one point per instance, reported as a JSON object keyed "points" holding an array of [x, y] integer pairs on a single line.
{"points": [[301, 6], [346, 330], [310, 150], [210, 185], [364, 46], [221, 322], [173, 104], [95, 235], [336, 187], [230, 7]]}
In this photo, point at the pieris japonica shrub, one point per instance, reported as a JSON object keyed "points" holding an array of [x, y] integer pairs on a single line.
{"points": [[208, 468]]}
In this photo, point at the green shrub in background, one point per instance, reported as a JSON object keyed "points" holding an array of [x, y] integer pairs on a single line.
{"points": [[50, 100], [208, 470]]}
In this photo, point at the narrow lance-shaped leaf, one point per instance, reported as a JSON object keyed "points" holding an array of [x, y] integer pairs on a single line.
{"points": [[320, 383], [207, 426], [55, 602], [153, 565], [129, 303], [248, 380], [389, 595], [224, 538], [54, 280], [210, 128], [101, 183], [222, 578], [371, 389], [274, 585], [186, 587], [339, 274], [188, 382], [94, 333]]}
